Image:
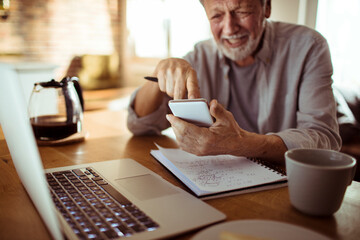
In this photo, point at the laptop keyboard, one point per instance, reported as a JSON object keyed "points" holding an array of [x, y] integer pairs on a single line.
{"points": [[93, 208]]}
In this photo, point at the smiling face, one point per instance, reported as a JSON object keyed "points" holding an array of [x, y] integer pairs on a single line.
{"points": [[237, 26]]}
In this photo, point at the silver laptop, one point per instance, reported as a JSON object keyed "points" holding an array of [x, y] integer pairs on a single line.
{"points": [[104, 200]]}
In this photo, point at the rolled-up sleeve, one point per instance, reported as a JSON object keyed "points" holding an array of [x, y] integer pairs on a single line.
{"points": [[316, 119], [153, 123]]}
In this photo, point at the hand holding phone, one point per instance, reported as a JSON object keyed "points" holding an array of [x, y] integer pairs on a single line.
{"points": [[195, 111]]}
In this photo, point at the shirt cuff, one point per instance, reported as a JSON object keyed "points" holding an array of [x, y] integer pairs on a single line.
{"points": [[153, 123]]}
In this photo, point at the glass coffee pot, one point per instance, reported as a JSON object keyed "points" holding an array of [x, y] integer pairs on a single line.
{"points": [[56, 111]]}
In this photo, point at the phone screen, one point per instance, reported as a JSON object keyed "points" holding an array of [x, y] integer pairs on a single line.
{"points": [[195, 111]]}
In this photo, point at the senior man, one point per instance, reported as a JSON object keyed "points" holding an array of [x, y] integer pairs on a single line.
{"points": [[269, 84]]}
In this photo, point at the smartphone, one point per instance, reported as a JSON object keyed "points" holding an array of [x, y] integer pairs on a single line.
{"points": [[195, 111]]}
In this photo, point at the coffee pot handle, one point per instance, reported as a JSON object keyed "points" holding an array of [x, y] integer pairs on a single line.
{"points": [[78, 89]]}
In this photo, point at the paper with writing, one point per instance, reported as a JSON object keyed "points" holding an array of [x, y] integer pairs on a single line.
{"points": [[213, 174]]}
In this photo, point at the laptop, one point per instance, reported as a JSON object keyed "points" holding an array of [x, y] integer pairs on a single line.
{"points": [[103, 200]]}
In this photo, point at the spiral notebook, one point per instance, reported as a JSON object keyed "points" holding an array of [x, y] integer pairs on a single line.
{"points": [[221, 175]]}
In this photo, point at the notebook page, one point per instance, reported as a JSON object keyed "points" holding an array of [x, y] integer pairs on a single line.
{"points": [[222, 172]]}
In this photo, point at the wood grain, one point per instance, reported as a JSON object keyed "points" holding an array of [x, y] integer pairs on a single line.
{"points": [[109, 139]]}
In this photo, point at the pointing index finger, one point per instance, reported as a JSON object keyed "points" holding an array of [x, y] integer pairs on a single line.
{"points": [[192, 85]]}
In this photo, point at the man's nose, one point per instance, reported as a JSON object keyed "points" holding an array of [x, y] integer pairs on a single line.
{"points": [[230, 25]]}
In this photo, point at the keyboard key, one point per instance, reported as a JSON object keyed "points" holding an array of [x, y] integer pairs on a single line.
{"points": [[124, 230], [111, 233], [97, 179], [101, 182], [137, 228], [116, 195], [78, 172], [151, 225]]}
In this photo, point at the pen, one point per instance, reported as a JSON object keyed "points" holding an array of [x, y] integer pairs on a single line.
{"points": [[153, 79]]}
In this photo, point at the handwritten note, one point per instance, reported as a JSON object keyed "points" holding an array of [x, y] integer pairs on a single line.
{"points": [[215, 173]]}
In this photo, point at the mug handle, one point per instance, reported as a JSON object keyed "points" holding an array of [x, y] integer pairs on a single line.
{"points": [[353, 173]]}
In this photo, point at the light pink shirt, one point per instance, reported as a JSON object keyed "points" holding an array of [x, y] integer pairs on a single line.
{"points": [[294, 86]]}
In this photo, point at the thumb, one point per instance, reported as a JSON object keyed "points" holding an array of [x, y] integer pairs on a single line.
{"points": [[170, 118], [174, 121], [216, 109]]}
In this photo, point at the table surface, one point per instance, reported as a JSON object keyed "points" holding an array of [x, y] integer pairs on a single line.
{"points": [[109, 139]]}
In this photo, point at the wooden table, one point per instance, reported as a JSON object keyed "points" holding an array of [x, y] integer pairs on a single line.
{"points": [[110, 139]]}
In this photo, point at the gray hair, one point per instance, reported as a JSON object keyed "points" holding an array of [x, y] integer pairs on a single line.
{"points": [[261, 1]]}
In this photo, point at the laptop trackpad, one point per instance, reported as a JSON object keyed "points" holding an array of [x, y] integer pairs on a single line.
{"points": [[146, 187]]}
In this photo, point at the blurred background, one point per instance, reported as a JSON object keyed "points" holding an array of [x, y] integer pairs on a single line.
{"points": [[112, 44]]}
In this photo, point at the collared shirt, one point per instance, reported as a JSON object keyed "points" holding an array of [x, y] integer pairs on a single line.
{"points": [[294, 87]]}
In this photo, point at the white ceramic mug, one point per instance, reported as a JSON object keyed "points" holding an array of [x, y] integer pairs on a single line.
{"points": [[317, 179]]}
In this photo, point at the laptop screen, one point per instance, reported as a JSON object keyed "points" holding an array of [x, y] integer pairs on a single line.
{"points": [[22, 146]]}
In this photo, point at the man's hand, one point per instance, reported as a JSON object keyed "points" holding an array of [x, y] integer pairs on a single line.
{"points": [[177, 78], [225, 137], [220, 138]]}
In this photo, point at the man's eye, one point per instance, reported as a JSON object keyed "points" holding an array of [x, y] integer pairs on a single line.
{"points": [[243, 13], [216, 16]]}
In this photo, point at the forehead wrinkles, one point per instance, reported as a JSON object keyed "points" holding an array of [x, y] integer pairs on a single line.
{"points": [[220, 5]]}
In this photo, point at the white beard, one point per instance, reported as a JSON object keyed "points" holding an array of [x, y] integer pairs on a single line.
{"points": [[242, 52]]}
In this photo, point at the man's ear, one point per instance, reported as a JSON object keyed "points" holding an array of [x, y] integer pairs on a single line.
{"points": [[267, 8]]}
